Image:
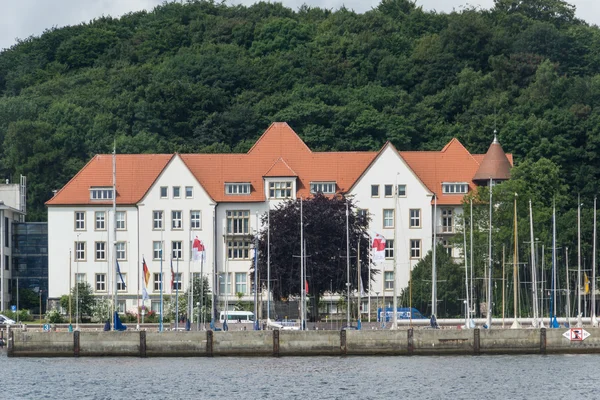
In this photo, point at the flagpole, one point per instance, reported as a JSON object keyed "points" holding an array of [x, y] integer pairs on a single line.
{"points": [[269, 264], [162, 284], [301, 268], [360, 287], [177, 297], [256, 283], [347, 265], [190, 307], [114, 244], [369, 280], [200, 311], [138, 293]]}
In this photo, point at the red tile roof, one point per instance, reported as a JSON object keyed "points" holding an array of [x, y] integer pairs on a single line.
{"points": [[278, 153], [135, 175]]}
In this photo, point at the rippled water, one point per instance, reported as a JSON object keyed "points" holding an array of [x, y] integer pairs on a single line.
{"points": [[307, 378]]}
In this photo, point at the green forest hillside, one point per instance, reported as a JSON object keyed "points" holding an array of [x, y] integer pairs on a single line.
{"points": [[206, 77]]}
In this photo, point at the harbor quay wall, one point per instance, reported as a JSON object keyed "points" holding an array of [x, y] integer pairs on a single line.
{"points": [[302, 343]]}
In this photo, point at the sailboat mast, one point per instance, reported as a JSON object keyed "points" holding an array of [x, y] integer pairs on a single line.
{"points": [[533, 272], [579, 321], [489, 291], [515, 269], [554, 259], [594, 322]]}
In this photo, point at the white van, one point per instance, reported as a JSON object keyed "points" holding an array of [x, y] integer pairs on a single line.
{"points": [[234, 317]]}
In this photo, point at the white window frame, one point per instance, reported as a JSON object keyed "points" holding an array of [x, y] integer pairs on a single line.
{"points": [[189, 192], [100, 249], [195, 219], [388, 277], [238, 222], [389, 249], [164, 192], [388, 220], [121, 251], [415, 218], [157, 280], [447, 220], [157, 250], [177, 250], [415, 248], [176, 220], [176, 192], [100, 282], [224, 283], [238, 188], [121, 220], [374, 190], [401, 190], [158, 223], [238, 249], [80, 222], [101, 193], [99, 220], [80, 251], [178, 278], [120, 287], [323, 187], [280, 189], [455, 187], [241, 282]]}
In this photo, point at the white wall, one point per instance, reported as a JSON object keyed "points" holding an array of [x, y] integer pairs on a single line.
{"points": [[390, 169]]}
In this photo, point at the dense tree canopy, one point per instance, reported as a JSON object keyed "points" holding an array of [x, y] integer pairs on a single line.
{"points": [[207, 77]]}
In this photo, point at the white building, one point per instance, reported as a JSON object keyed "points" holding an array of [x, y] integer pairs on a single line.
{"points": [[164, 200], [12, 209]]}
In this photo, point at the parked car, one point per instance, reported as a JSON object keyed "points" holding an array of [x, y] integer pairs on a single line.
{"points": [[4, 320]]}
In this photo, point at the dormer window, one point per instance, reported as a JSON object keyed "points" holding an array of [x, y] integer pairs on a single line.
{"points": [[237, 188], [322, 187], [455, 187], [280, 190], [101, 193]]}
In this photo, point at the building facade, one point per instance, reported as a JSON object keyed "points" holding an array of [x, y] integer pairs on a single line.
{"points": [[165, 201]]}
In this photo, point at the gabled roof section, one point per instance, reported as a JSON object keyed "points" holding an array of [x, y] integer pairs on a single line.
{"points": [[495, 164], [135, 175], [280, 169], [278, 138]]}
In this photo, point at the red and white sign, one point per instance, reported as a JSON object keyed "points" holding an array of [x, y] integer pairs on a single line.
{"points": [[576, 334]]}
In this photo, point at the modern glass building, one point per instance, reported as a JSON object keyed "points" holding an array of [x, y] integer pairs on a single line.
{"points": [[29, 286]]}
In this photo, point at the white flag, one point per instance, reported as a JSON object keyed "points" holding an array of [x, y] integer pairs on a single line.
{"points": [[198, 250], [378, 248]]}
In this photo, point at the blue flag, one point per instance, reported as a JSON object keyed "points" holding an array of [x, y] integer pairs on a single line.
{"points": [[120, 275]]}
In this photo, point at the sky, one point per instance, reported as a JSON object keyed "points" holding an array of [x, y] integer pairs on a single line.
{"points": [[23, 18]]}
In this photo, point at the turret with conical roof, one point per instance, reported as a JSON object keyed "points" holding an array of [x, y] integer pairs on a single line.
{"points": [[494, 166]]}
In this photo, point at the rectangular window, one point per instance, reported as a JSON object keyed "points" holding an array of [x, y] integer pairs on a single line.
{"points": [[389, 248], [164, 192], [121, 251], [240, 282], [79, 251], [389, 280], [280, 190], [80, 278], [447, 247], [155, 306], [237, 188], [79, 220], [415, 248], [122, 284], [447, 221], [224, 287], [415, 218], [401, 190], [238, 222], [156, 250], [195, 219], [455, 187], [388, 190], [176, 250], [176, 192], [374, 190], [238, 249], [322, 187], [100, 220], [157, 282], [157, 220], [189, 192], [100, 282], [100, 251], [121, 306], [363, 213], [176, 284], [388, 218], [101, 193], [176, 222], [121, 220]]}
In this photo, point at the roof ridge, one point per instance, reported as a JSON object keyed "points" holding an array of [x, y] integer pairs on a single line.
{"points": [[455, 140], [72, 179], [272, 126]]}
